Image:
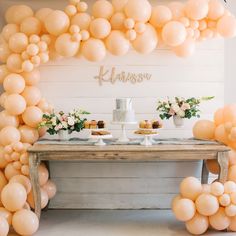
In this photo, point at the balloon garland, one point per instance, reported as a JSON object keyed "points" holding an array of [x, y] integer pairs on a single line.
{"points": [[30, 39]]}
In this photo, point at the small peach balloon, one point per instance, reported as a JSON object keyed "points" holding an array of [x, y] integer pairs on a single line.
{"points": [[14, 83], [8, 30], [100, 28], [160, 16], [31, 78], [27, 66], [43, 175], [34, 39], [15, 104], [9, 135], [131, 35], [226, 26], [25, 222], [82, 20], [213, 166], [190, 188], [117, 21], [230, 210], [177, 10], [30, 25], [32, 116], [140, 27], [24, 158], [224, 200], [207, 204], [217, 189], [197, 225], [28, 134], [32, 95], [6, 214], [57, 22], [219, 220], [230, 187], [117, 44], [102, 9], [4, 226], [204, 129], [8, 120], [221, 135], [18, 42], [25, 170], [50, 188], [202, 25], [21, 179], [5, 52], [70, 10], [197, 9], [10, 171], [82, 6], [129, 23], [17, 165], [32, 49], [186, 49], [14, 63]]}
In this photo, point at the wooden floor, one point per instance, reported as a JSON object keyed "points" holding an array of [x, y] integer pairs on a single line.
{"points": [[113, 223]]}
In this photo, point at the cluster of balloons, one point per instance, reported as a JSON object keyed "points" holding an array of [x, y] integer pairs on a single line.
{"points": [[203, 206]]}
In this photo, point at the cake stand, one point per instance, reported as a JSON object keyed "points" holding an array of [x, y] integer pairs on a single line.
{"points": [[123, 138], [147, 141], [100, 139]]}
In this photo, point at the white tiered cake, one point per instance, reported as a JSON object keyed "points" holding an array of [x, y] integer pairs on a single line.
{"points": [[124, 112]]}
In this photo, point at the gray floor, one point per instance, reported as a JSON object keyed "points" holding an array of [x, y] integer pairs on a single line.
{"points": [[112, 223]]}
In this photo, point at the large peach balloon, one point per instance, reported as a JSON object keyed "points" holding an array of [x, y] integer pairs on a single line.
{"points": [[13, 196], [204, 129], [3, 72], [147, 41], [41, 15], [119, 5], [57, 22], [197, 9], [213, 166], [100, 28], [4, 226], [17, 13], [221, 135], [14, 63], [117, 44], [5, 52], [174, 33], [184, 209], [177, 10], [219, 220], [8, 30], [82, 20], [44, 199], [219, 116], [30, 25], [25, 222], [32, 116], [15, 104], [139, 10], [185, 49], [50, 188], [8, 120], [32, 95], [18, 42], [216, 10], [232, 173], [117, 21], [10, 171], [28, 134], [230, 210], [226, 26], [43, 174], [207, 204], [3, 181], [6, 214], [229, 113], [21, 179], [14, 83], [94, 49], [65, 46], [190, 188], [9, 135], [160, 16], [31, 78], [102, 9]]}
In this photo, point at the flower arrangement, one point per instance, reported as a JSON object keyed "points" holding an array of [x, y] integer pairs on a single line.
{"points": [[55, 122], [181, 107]]}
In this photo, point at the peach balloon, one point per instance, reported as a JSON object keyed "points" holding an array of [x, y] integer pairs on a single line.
{"points": [[31, 78], [28, 134], [44, 199], [14, 63], [217, 189], [25, 170], [15, 104], [229, 113], [221, 135], [27, 66], [190, 188], [175, 200], [3, 181], [41, 15], [8, 135], [119, 5], [5, 52], [8, 30], [219, 220], [70, 10], [216, 10], [4, 226], [207, 204], [186, 49], [102, 9], [14, 83], [197, 225], [32, 95], [24, 158], [140, 27], [177, 10], [13, 196], [213, 166], [230, 187], [25, 222], [147, 41], [57, 22], [32, 116], [204, 129], [232, 156], [17, 165], [117, 44], [184, 209], [18, 42], [3, 162], [174, 33], [17, 13], [82, 20], [160, 16], [131, 35], [232, 225], [94, 49], [6, 214], [50, 188], [3, 72], [117, 21], [30, 25], [226, 26], [21, 179], [230, 210], [65, 46], [43, 175], [100, 28], [8, 120], [32, 49], [10, 171], [224, 200], [197, 9]]}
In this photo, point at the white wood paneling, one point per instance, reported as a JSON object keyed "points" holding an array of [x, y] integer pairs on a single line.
{"points": [[70, 83]]}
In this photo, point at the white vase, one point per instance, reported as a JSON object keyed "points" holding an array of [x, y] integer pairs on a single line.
{"points": [[63, 135], [178, 121]]}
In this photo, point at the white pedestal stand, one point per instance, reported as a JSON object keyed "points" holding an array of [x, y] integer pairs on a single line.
{"points": [[100, 138]]}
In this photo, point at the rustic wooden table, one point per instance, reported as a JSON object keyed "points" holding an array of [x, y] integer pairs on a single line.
{"points": [[72, 152]]}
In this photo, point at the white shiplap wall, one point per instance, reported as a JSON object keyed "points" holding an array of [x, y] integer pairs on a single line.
{"points": [[70, 83]]}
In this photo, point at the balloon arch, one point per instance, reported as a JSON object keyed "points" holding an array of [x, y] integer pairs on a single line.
{"points": [[30, 39]]}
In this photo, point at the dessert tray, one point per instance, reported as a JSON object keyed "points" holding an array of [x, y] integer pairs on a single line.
{"points": [[99, 135], [148, 134]]}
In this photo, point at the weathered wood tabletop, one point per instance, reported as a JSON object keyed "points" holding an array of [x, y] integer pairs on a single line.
{"points": [[74, 152]]}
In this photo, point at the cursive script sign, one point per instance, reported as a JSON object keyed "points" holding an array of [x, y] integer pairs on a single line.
{"points": [[111, 76]]}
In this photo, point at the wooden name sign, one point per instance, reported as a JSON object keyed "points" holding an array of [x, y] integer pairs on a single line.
{"points": [[111, 76]]}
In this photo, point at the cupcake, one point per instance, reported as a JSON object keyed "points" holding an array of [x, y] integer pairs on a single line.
{"points": [[142, 124], [156, 124], [148, 124], [87, 124], [101, 124], [93, 124]]}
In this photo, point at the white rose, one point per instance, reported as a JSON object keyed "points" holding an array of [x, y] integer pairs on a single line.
{"points": [[71, 121], [175, 107], [181, 113], [64, 125], [54, 121]]}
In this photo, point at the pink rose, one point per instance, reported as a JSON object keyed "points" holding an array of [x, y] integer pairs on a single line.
{"points": [[171, 112]]}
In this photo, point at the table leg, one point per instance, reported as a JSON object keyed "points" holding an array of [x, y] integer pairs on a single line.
{"points": [[34, 163], [223, 160], [205, 173]]}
